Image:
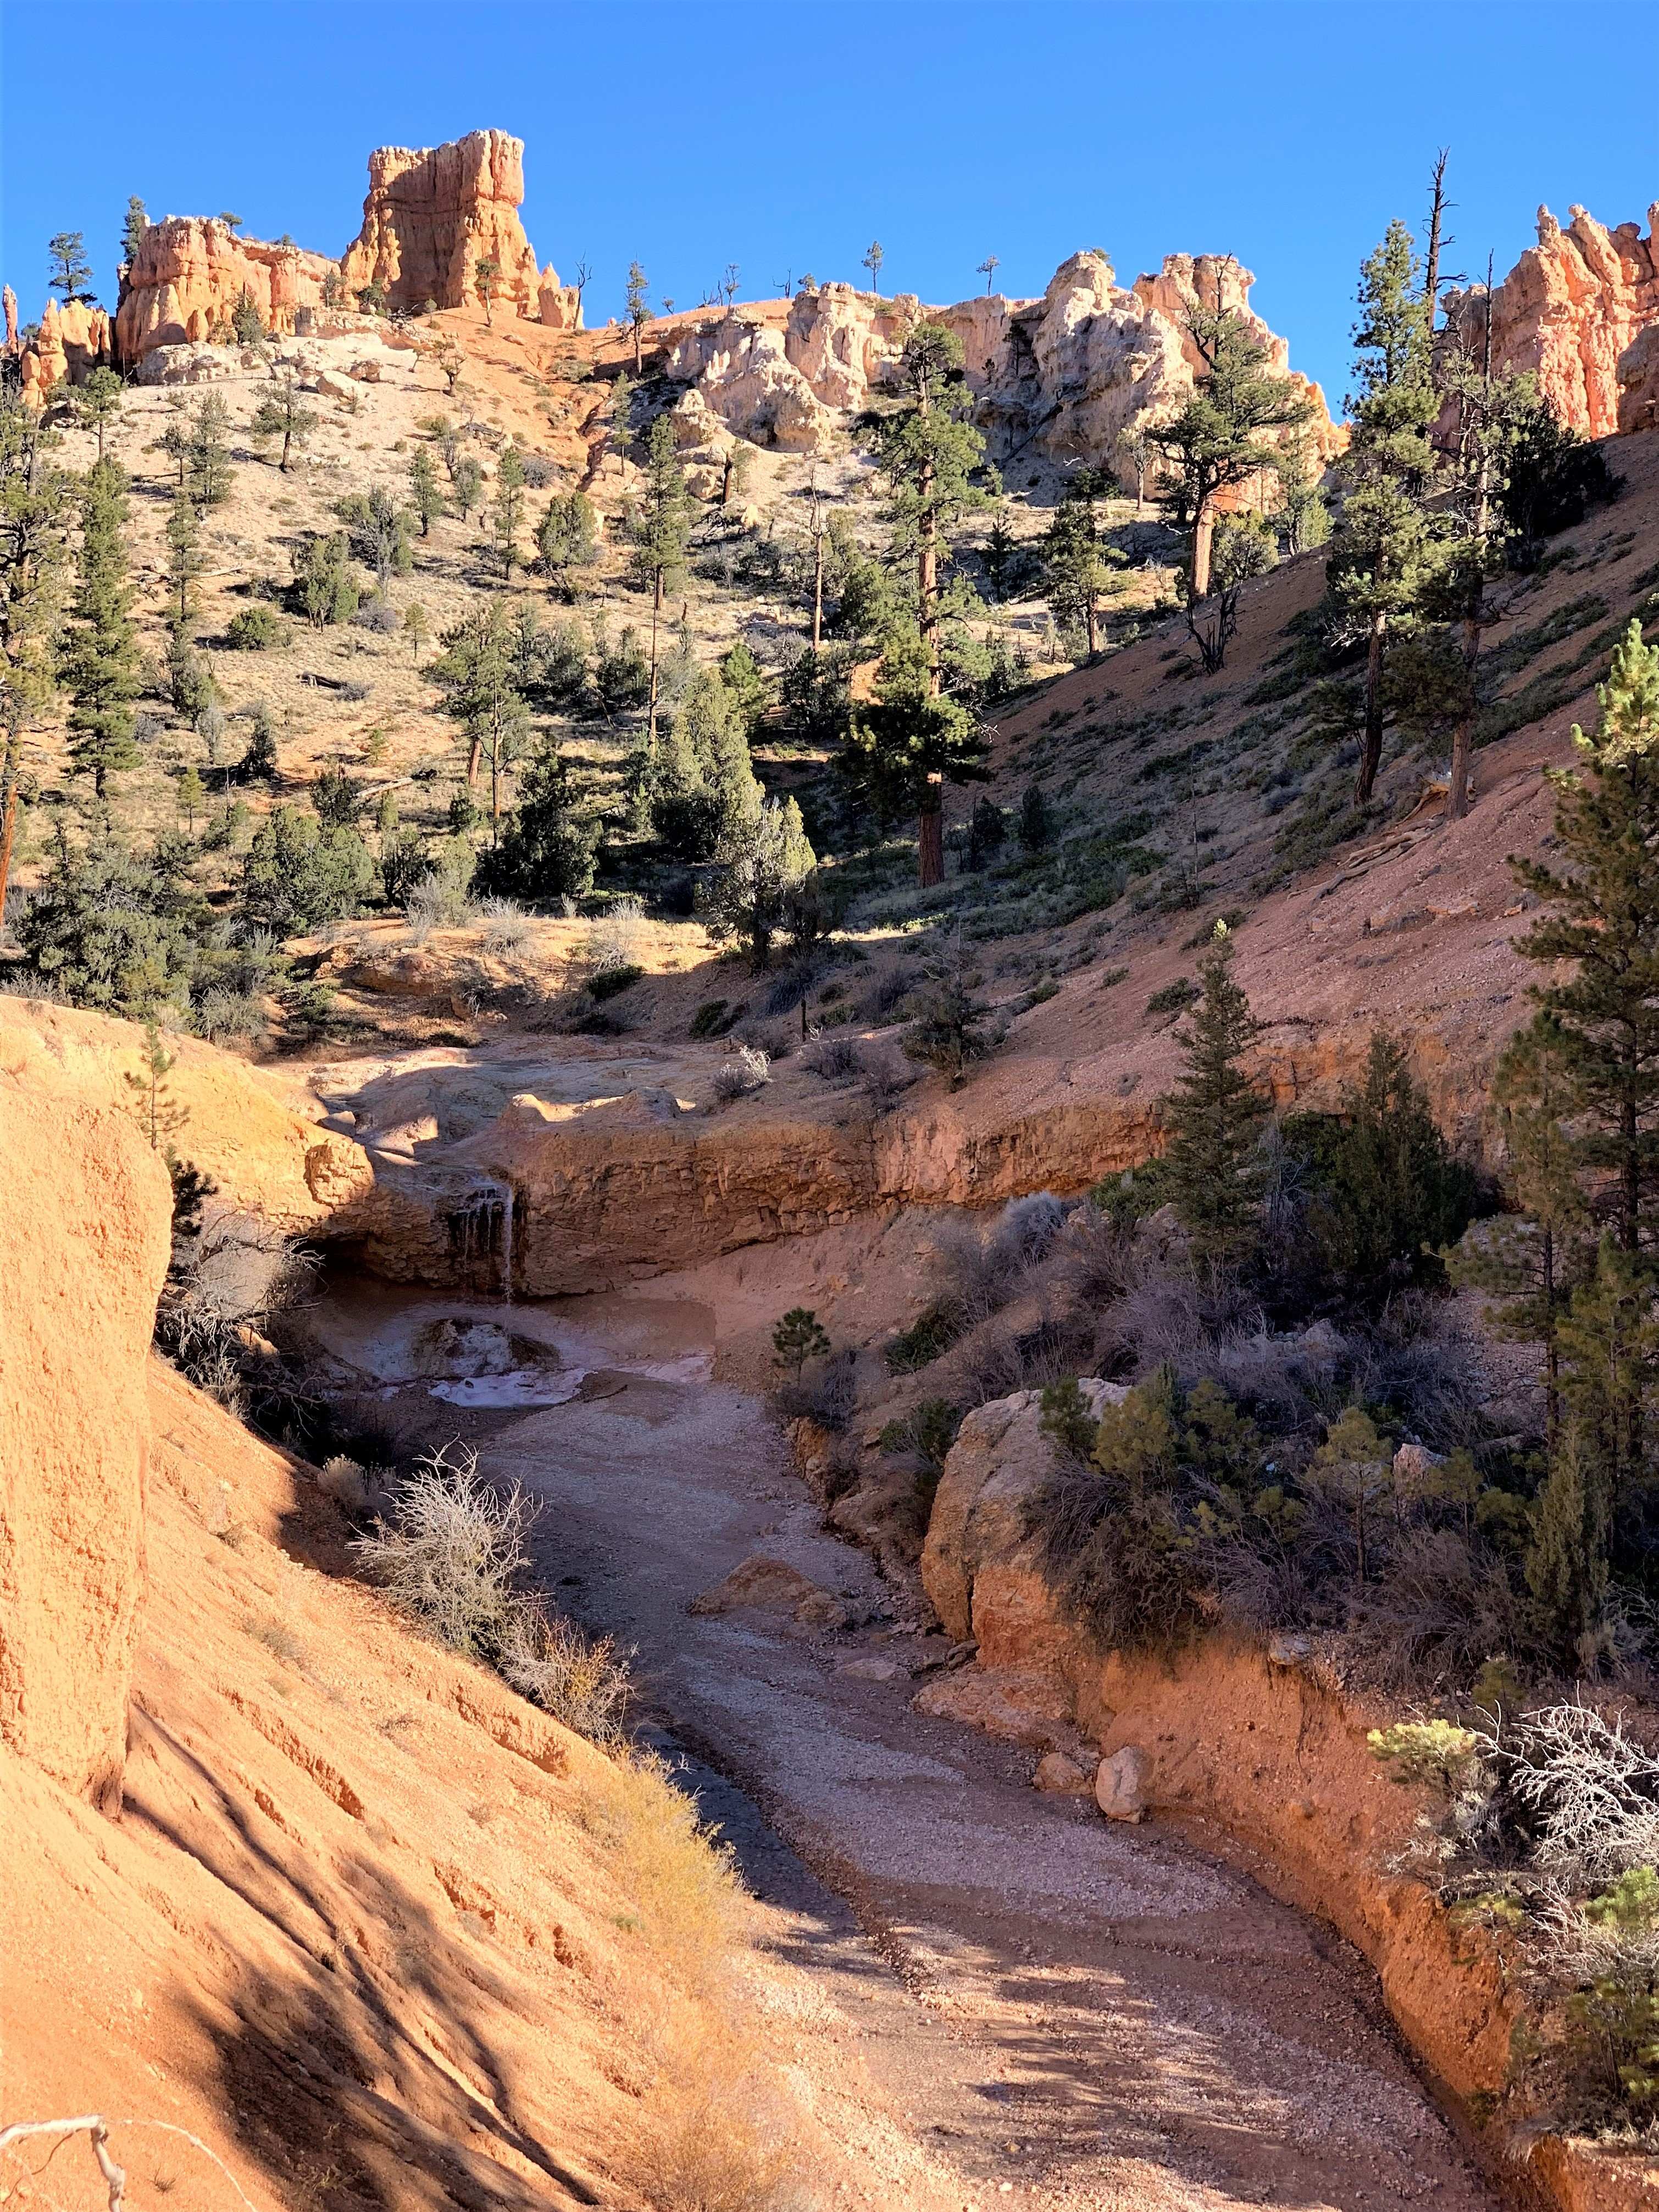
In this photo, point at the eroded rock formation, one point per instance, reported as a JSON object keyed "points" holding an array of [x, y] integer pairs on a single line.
{"points": [[86, 1206], [434, 212], [1065, 374], [190, 271], [1575, 310]]}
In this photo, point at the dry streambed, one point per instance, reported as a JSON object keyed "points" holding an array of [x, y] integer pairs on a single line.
{"points": [[1077, 2013]]}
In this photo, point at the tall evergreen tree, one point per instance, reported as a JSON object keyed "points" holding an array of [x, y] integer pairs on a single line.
{"points": [[98, 402], [660, 527], [506, 517], [133, 228], [639, 311], [101, 653], [71, 271], [929, 452], [283, 414], [1605, 921], [1566, 1561], [208, 474], [764, 857], [426, 493], [35, 507], [1219, 440], [1531, 1258], [476, 673], [1212, 1168], [901, 748], [547, 849], [1383, 555], [1077, 560], [184, 542]]}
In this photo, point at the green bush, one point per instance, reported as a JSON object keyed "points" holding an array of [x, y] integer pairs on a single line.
{"points": [[610, 982], [256, 629], [1175, 997], [932, 1333]]}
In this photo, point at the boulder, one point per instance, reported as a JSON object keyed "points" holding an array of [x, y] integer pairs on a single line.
{"points": [[332, 386], [1057, 1776], [1001, 1458], [872, 1669], [774, 1587], [1121, 1782]]}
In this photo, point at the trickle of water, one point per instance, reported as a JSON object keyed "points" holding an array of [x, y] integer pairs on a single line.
{"points": [[487, 1203]]}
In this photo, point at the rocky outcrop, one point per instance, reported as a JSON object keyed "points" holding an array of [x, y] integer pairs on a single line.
{"points": [[190, 273], [434, 212], [560, 305], [1572, 311], [87, 1206], [1066, 374], [74, 340]]}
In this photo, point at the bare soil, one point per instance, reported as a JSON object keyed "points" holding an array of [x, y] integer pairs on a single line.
{"points": [[1083, 2015]]}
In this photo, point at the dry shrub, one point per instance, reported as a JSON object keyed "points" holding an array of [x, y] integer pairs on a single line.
{"points": [[579, 1680], [715, 2133], [747, 1070], [684, 1899]]}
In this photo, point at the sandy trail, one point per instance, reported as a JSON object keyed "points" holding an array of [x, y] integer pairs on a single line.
{"points": [[1078, 2015]]}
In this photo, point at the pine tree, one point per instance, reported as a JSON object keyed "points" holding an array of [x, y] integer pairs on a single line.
{"points": [[949, 1032], [466, 482], [1219, 439], [1079, 563], [101, 653], [191, 797], [1609, 1362], [426, 493], [1530, 1259], [929, 452], [184, 537], [621, 434], [486, 275], [546, 851], [414, 627], [98, 402], [1212, 1168], [71, 271], [1566, 1560], [566, 538], [1384, 555], [639, 311], [660, 527], [704, 784], [1605, 898], [154, 1109], [763, 858], [508, 517], [799, 1337], [903, 746], [247, 325], [208, 474], [133, 230], [476, 673], [283, 414]]}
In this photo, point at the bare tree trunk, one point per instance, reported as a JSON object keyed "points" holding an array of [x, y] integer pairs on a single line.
{"points": [[475, 754], [1203, 536], [1371, 756], [817, 565], [1094, 629], [1436, 219], [930, 838], [927, 588]]}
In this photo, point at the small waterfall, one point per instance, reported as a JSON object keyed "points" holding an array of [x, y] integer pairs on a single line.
{"points": [[483, 1223]]}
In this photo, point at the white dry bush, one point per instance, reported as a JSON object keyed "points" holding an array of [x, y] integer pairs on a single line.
{"points": [[436, 902], [508, 928], [453, 1556], [1588, 1791], [453, 1551], [747, 1070], [617, 937]]}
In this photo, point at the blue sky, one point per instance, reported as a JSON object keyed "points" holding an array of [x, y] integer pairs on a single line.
{"points": [[787, 136]]}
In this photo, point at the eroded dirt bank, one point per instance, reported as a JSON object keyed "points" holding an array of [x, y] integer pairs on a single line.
{"points": [[1089, 2016]]}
